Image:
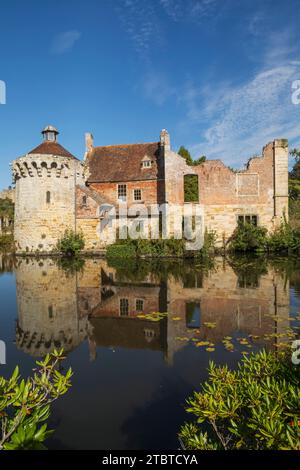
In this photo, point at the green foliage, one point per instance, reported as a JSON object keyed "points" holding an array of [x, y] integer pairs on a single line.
{"points": [[294, 188], [25, 404], [71, 243], [248, 237], [284, 238], [191, 190], [210, 238], [255, 407], [294, 212], [6, 242], [183, 152], [121, 250], [71, 265], [128, 248], [7, 208]]}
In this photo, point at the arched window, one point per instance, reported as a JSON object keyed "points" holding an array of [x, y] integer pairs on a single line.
{"points": [[84, 200], [48, 197]]}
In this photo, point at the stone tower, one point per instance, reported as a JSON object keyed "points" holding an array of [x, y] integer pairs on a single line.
{"points": [[45, 180]]}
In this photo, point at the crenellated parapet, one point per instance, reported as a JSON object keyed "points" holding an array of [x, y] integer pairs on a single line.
{"points": [[50, 166], [39, 343]]}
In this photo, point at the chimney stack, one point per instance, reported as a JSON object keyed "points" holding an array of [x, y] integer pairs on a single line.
{"points": [[165, 139], [89, 143]]}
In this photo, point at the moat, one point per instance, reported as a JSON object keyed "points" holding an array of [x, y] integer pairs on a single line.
{"points": [[139, 336]]}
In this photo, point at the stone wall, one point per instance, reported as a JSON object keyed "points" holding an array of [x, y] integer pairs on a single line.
{"points": [[39, 221], [261, 189]]}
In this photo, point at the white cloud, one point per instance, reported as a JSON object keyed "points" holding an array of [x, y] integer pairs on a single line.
{"points": [[194, 10], [244, 118], [65, 41], [140, 21], [157, 88]]}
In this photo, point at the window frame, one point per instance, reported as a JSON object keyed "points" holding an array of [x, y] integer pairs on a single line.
{"points": [[140, 191], [136, 305], [121, 307], [242, 219], [120, 197], [147, 163]]}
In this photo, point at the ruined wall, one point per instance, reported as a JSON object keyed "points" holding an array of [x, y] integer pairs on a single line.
{"points": [[39, 222], [232, 303], [261, 189]]}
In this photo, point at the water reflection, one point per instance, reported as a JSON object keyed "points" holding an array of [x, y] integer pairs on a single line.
{"points": [[109, 305]]}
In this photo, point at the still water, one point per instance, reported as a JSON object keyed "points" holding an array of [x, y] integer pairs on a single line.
{"points": [[133, 370]]}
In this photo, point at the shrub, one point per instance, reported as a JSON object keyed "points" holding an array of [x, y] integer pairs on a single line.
{"points": [[6, 242], [294, 213], [140, 247], [284, 238], [25, 404], [71, 243], [255, 407], [248, 237], [118, 250]]}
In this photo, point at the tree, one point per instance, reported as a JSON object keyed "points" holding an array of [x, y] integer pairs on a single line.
{"points": [[25, 404], [255, 407], [183, 152]]}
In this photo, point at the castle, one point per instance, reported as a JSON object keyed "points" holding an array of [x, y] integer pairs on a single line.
{"points": [[55, 191]]}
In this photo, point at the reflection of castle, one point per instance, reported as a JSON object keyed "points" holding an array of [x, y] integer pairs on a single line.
{"points": [[47, 308], [57, 309]]}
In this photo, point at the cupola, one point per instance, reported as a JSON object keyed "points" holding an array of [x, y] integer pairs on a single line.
{"points": [[50, 134]]}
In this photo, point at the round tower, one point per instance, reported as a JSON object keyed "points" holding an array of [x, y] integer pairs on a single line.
{"points": [[45, 180]]}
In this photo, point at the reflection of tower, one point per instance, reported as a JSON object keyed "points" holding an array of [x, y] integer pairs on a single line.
{"points": [[47, 308]]}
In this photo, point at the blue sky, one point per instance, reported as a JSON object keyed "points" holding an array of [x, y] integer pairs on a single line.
{"points": [[216, 73]]}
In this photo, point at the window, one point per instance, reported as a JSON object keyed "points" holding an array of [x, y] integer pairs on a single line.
{"points": [[50, 312], [192, 314], [124, 304], [139, 305], [248, 280], [146, 164], [137, 194], [191, 189], [48, 197], [122, 192], [84, 200], [248, 219]]}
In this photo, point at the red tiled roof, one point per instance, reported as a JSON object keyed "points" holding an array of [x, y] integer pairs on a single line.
{"points": [[52, 148], [123, 162]]}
